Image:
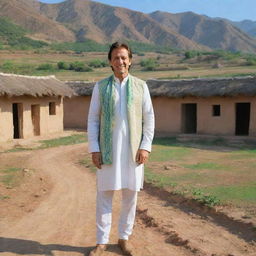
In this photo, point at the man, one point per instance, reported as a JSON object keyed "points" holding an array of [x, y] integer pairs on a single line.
{"points": [[120, 133]]}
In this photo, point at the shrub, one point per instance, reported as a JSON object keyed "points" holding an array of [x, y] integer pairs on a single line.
{"points": [[227, 55], [45, 66], [79, 67], [251, 61], [97, 63], [192, 54], [87, 69], [7, 66], [149, 64], [62, 65], [76, 65]]}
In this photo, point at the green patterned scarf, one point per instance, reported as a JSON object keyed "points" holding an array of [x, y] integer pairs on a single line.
{"points": [[134, 96]]}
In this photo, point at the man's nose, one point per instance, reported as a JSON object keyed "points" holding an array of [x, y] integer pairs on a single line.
{"points": [[120, 60]]}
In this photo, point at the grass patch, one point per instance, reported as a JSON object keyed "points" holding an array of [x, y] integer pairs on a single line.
{"points": [[166, 153], [69, 140], [168, 182], [237, 194], [201, 166], [11, 177], [191, 142], [166, 141], [209, 142], [188, 177], [205, 199], [88, 164], [17, 149], [215, 178], [241, 154], [165, 149], [3, 197], [157, 179]]}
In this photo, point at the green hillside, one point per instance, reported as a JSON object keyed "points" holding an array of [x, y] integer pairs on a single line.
{"points": [[92, 46], [14, 36]]}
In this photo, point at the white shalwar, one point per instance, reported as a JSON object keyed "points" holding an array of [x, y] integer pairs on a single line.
{"points": [[124, 173]]}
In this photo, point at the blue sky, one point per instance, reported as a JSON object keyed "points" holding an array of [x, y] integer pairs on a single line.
{"points": [[235, 10]]}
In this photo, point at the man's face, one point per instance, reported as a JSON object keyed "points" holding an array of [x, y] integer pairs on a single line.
{"points": [[120, 62]]}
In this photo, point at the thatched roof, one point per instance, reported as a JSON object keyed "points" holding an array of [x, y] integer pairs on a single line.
{"points": [[37, 86], [81, 88], [203, 87]]}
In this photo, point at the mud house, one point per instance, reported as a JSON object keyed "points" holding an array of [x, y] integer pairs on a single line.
{"points": [[76, 108], [30, 106], [219, 106], [224, 106]]}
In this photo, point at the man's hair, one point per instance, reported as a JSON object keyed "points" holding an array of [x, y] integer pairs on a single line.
{"points": [[117, 45]]}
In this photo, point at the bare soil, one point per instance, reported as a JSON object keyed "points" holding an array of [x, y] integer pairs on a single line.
{"points": [[53, 213]]}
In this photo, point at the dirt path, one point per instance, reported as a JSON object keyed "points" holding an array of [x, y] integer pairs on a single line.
{"points": [[64, 222]]}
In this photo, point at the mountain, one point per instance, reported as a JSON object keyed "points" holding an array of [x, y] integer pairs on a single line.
{"points": [[79, 20], [214, 33], [105, 23], [24, 14], [247, 26]]}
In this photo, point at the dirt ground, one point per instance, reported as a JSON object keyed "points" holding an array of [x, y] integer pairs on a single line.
{"points": [[53, 213]]}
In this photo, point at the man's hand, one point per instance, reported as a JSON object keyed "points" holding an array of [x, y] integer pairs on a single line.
{"points": [[96, 159], [142, 156]]}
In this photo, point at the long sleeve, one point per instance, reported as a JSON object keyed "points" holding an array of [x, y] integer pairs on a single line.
{"points": [[124, 172], [148, 121], [94, 121]]}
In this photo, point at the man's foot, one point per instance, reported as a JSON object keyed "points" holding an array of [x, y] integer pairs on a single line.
{"points": [[98, 250], [126, 247]]}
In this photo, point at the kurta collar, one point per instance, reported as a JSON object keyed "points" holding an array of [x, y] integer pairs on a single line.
{"points": [[123, 82]]}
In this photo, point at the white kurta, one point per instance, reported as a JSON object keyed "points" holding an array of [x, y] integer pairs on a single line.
{"points": [[123, 172]]}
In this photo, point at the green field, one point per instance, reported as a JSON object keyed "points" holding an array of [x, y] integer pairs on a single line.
{"points": [[204, 172], [81, 65]]}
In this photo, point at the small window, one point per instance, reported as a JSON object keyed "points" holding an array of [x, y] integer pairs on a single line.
{"points": [[52, 108], [216, 110]]}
